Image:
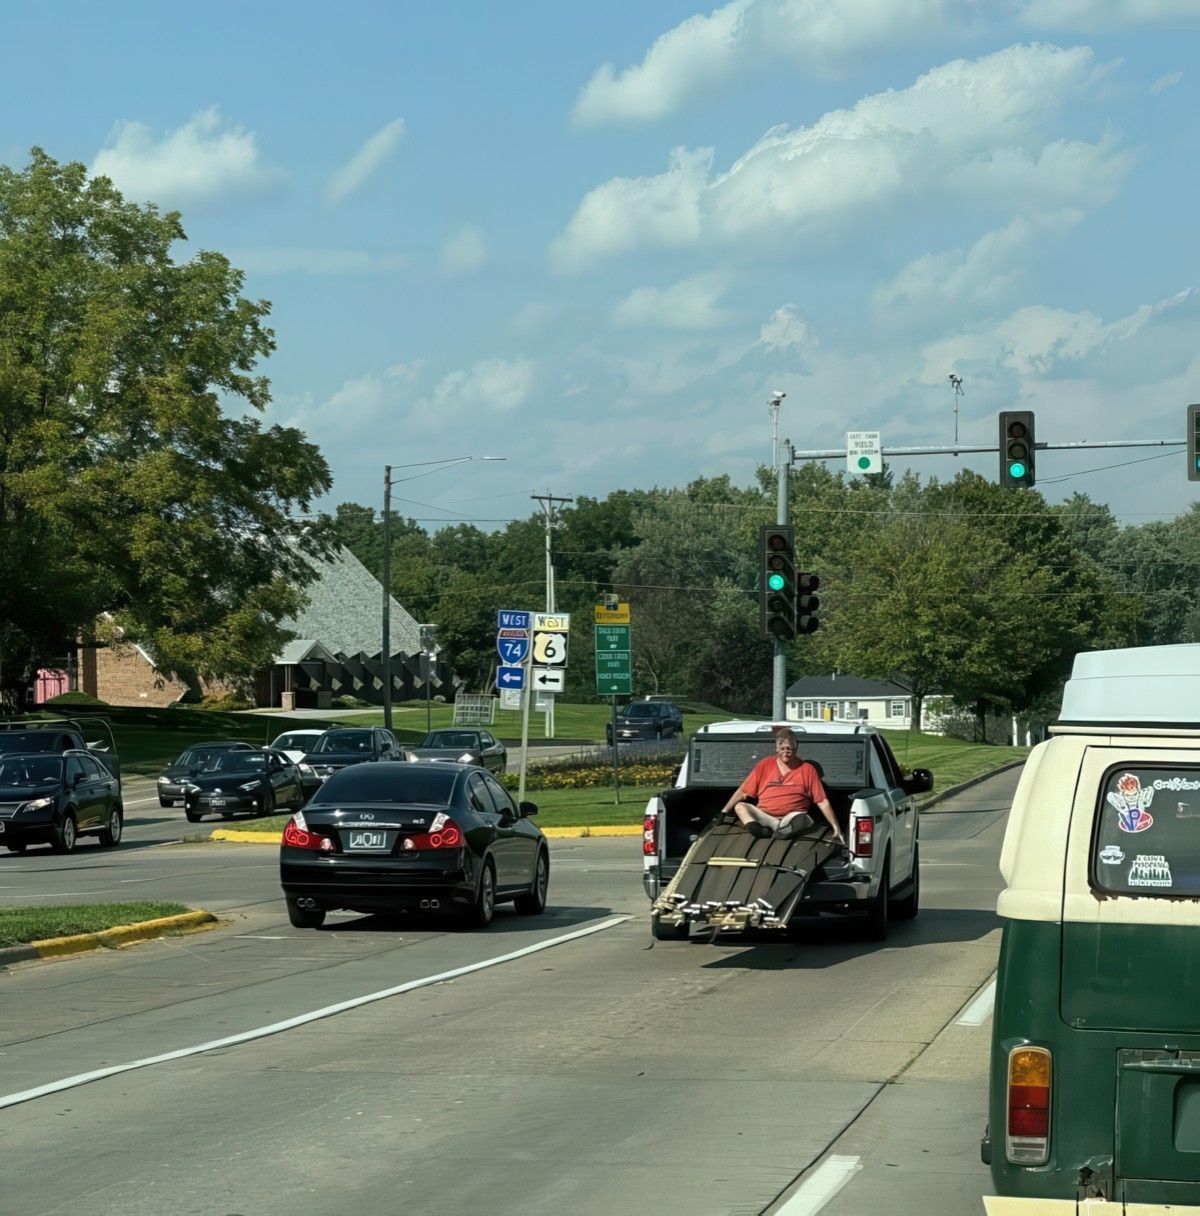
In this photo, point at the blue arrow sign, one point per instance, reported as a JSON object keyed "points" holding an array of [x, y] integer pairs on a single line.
{"points": [[511, 618], [512, 650], [510, 677]]}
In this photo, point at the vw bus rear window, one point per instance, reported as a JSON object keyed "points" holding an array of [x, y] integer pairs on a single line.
{"points": [[1147, 838]]}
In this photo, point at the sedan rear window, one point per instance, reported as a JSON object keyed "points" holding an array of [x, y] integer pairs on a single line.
{"points": [[1147, 837], [403, 783]]}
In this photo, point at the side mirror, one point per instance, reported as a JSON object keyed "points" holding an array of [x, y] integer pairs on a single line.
{"points": [[79, 779], [528, 809], [919, 781]]}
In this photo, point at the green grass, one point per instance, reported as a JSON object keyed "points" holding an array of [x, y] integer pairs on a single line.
{"points": [[950, 760], [21, 925]]}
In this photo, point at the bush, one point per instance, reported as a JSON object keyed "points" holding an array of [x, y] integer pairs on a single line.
{"points": [[592, 772], [74, 698], [225, 702], [346, 701]]}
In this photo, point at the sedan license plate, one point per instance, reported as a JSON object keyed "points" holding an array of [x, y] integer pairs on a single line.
{"points": [[368, 840]]}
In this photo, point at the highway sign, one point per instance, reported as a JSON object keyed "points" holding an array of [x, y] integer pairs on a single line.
{"points": [[614, 660], [549, 647], [864, 452], [513, 618], [607, 615], [510, 677], [549, 679], [559, 622], [512, 645], [543, 702], [612, 637], [510, 698]]}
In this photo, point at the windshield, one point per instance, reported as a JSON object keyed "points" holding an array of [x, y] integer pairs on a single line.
{"points": [[32, 741], [238, 762], [199, 758], [641, 710], [345, 741], [297, 741], [1147, 835], [25, 771], [451, 738], [429, 784]]}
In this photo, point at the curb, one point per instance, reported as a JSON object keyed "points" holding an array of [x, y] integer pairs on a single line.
{"points": [[942, 795], [240, 836], [117, 936]]}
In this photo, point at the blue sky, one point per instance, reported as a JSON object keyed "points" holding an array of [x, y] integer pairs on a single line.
{"points": [[593, 239]]}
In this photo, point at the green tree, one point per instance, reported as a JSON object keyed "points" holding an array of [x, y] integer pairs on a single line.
{"points": [[127, 483]]}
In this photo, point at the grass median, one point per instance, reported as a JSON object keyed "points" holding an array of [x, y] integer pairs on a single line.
{"points": [[20, 926]]}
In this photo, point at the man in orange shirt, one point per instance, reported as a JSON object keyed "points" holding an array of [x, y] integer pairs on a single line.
{"points": [[784, 788]]}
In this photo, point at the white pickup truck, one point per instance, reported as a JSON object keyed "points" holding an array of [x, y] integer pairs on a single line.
{"points": [[874, 802]]}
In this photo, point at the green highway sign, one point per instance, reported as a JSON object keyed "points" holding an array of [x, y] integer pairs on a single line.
{"points": [[614, 669]]}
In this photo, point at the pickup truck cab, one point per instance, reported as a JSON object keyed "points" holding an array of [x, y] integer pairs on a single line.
{"points": [[873, 800], [29, 735], [1094, 1102]]}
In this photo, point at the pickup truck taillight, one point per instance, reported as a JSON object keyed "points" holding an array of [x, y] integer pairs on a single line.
{"points": [[650, 836], [864, 836], [1027, 1138]]}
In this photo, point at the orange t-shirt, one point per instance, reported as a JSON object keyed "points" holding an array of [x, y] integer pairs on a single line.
{"points": [[779, 794]]}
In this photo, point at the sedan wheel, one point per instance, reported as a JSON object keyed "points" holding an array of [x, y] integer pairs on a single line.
{"points": [[192, 816], [533, 901], [63, 838], [484, 907], [16, 846], [110, 837], [268, 804], [166, 801]]}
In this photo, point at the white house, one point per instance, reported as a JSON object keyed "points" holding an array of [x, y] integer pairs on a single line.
{"points": [[849, 698]]}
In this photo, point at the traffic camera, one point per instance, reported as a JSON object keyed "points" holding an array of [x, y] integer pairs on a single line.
{"points": [[1017, 449], [777, 581]]}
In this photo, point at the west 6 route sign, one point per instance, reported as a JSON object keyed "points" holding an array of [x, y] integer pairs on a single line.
{"points": [[550, 633]]}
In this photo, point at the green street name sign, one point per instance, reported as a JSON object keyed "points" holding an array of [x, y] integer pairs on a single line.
{"points": [[614, 668]]}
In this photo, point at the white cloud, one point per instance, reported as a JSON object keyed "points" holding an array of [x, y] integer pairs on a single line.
{"points": [[1096, 16], [298, 260], [534, 316], [464, 252], [965, 128], [786, 330], [1166, 82], [347, 178], [691, 303], [207, 159], [489, 386], [740, 37]]}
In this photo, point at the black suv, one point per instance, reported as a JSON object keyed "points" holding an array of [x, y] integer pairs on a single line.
{"points": [[53, 797], [647, 720]]}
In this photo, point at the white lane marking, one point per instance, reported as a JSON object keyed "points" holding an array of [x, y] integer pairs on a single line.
{"points": [[262, 937], [303, 1019], [817, 1191], [980, 1009]]}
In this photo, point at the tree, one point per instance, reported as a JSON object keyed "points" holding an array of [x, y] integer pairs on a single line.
{"points": [[127, 484]]}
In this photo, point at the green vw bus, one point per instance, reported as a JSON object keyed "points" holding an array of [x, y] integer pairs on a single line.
{"points": [[1094, 1102]]}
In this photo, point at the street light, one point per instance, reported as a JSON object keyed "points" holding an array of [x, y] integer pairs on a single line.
{"points": [[388, 481]]}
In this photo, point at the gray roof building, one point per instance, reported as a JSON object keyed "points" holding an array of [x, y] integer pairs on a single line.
{"points": [[844, 687]]}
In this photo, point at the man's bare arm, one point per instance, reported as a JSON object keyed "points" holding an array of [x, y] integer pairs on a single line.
{"points": [[827, 811]]}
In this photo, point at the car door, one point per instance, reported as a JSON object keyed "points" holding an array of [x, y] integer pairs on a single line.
{"points": [[904, 825], [524, 835], [82, 787], [107, 786], [492, 751], [285, 779]]}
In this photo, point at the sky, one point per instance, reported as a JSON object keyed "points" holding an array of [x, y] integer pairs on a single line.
{"points": [[595, 239]]}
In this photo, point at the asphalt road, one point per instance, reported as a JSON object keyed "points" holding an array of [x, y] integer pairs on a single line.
{"points": [[546, 1065]]}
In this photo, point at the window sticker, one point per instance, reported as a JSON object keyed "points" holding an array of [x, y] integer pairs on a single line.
{"points": [[1131, 800], [1112, 855], [1149, 870]]}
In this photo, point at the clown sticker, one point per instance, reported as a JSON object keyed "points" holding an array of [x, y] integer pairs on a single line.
{"points": [[1131, 801]]}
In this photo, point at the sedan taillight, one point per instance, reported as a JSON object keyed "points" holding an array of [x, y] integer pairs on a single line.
{"points": [[443, 833], [297, 835]]}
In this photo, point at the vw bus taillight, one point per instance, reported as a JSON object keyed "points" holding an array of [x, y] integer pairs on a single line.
{"points": [[1027, 1139]]}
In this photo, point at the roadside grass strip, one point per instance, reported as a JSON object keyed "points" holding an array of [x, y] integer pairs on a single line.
{"points": [[303, 1019], [22, 926]]}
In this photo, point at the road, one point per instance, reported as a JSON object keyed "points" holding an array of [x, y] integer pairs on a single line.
{"points": [[546, 1065]]}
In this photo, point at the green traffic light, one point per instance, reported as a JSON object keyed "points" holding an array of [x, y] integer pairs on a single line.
{"points": [[1016, 469], [776, 582]]}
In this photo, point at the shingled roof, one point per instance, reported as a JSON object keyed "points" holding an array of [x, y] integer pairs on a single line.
{"points": [[814, 688], [344, 612]]}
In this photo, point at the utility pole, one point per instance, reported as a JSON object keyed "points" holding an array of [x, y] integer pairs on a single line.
{"points": [[386, 648], [548, 502], [778, 657]]}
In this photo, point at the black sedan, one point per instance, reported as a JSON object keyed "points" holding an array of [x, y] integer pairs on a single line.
{"points": [[436, 838], [250, 781], [341, 746], [467, 746], [55, 799], [190, 762]]}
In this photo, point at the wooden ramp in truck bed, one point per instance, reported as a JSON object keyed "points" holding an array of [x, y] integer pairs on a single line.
{"points": [[732, 880]]}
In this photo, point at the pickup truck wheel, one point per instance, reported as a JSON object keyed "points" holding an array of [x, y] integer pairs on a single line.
{"points": [[880, 908], [908, 907], [668, 933]]}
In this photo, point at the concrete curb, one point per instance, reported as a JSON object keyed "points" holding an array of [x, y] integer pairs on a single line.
{"points": [[117, 936], [942, 795], [240, 836], [234, 836]]}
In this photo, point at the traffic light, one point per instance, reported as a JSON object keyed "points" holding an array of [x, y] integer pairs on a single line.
{"points": [[1193, 442], [777, 581], [807, 603], [1017, 449]]}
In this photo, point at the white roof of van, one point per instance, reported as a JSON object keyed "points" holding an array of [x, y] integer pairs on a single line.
{"points": [[1141, 684]]}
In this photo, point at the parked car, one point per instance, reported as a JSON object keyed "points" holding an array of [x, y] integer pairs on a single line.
{"points": [[646, 720], [445, 839], [190, 763], [51, 798], [341, 746], [464, 745], [250, 781]]}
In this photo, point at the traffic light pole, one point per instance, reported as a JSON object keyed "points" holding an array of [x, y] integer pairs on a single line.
{"points": [[960, 449], [778, 658]]}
